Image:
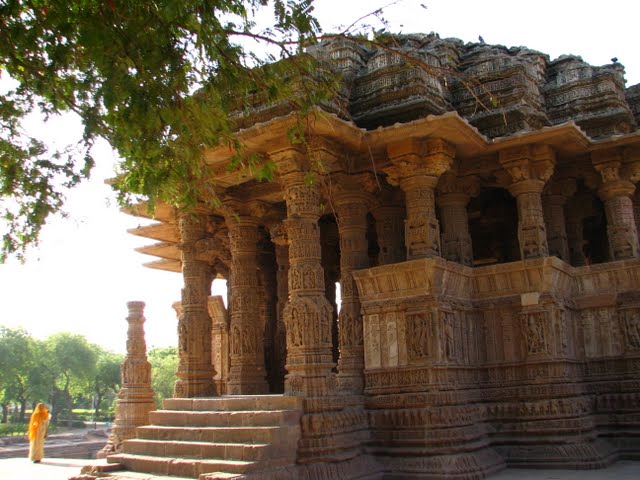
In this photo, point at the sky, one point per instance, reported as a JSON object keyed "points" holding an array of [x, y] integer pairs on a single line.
{"points": [[85, 268]]}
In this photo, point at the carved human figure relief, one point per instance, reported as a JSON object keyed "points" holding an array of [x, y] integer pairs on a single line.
{"points": [[535, 331], [631, 326], [419, 335]]}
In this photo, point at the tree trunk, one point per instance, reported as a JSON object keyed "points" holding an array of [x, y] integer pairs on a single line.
{"points": [[23, 409], [97, 400]]}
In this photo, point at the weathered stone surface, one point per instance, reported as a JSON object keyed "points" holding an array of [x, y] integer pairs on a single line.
{"points": [[489, 215], [135, 398], [593, 97]]}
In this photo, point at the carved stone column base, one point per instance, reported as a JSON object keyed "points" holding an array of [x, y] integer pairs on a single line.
{"points": [[247, 380], [131, 412], [194, 388]]}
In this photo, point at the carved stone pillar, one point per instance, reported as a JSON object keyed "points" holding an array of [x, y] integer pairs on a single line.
{"points": [[308, 314], [415, 167], [554, 202], [575, 230], [219, 342], [530, 167], [268, 293], [454, 195], [389, 215], [247, 374], [616, 192], [135, 398], [195, 371], [279, 238], [636, 207], [351, 205]]}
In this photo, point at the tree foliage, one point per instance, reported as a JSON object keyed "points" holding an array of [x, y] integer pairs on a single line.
{"points": [[67, 372], [164, 365], [107, 379], [159, 80]]}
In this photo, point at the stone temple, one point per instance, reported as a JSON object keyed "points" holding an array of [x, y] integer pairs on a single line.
{"points": [[480, 214]]}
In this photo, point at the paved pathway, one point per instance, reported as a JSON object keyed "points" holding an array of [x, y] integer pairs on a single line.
{"points": [[47, 469], [63, 468]]}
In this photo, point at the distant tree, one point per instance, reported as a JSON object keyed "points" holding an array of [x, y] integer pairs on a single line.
{"points": [[164, 365], [107, 379], [18, 357], [71, 361]]}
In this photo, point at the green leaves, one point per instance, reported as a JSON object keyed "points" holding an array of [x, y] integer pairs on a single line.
{"points": [[161, 81]]}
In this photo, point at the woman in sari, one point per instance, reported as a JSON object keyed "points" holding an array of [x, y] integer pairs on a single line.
{"points": [[38, 426]]}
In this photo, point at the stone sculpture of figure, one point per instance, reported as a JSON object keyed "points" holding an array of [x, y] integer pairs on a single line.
{"points": [[633, 331], [535, 335], [38, 426]]}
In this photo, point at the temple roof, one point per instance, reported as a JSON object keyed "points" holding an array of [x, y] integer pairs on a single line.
{"points": [[499, 90]]}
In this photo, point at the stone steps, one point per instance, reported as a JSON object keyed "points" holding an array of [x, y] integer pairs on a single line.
{"points": [[234, 403], [236, 418], [222, 437], [183, 467], [161, 448], [213, 434]]}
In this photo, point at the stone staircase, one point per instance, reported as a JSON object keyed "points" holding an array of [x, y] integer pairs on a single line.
{"points": [[222, 437]]}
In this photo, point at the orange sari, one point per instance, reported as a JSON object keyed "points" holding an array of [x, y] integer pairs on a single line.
{"points": [[38, 426]]}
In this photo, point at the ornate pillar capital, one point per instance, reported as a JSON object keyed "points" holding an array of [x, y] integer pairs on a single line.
{"points": [[528, 162], [418, 158], [616, 180]]}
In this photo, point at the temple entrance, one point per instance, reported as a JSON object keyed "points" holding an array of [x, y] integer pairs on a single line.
{"points": [[493, 226]]}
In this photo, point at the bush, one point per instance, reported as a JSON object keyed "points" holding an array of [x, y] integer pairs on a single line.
{"points": [[13, 429]]}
